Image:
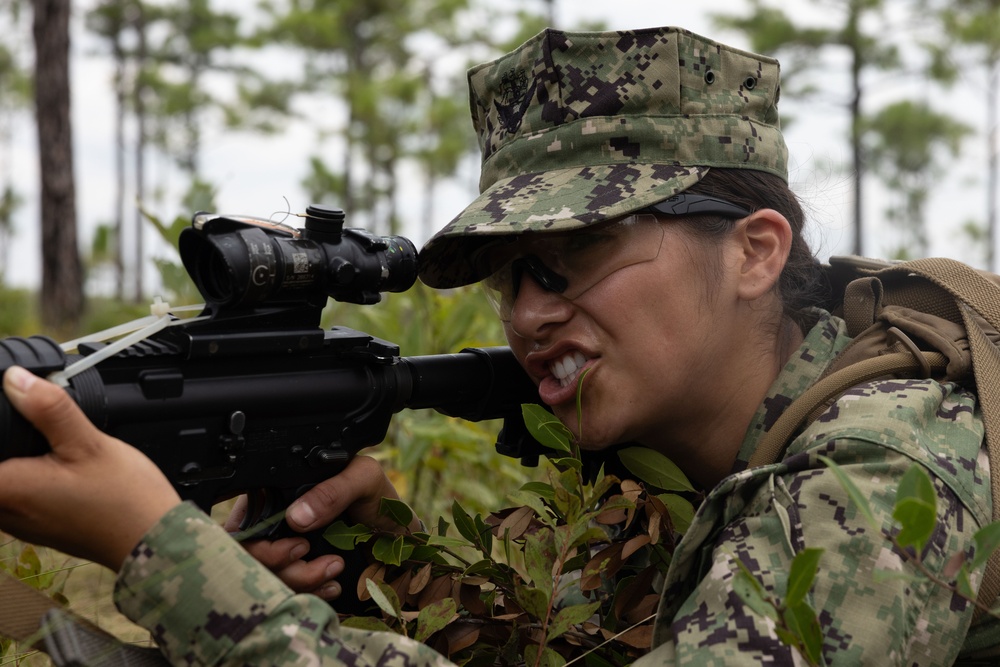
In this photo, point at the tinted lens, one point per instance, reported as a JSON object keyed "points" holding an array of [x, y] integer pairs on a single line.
{"points": [[582, 257]]}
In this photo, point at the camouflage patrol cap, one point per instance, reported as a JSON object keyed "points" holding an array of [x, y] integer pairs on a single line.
{"points": [[576, 128]]}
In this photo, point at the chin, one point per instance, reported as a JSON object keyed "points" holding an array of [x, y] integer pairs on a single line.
{"points": [[593, 442], [594, 446]]}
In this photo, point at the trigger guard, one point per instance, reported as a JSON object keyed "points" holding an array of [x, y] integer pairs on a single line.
{"points": [[265, 515], [262, 520]]}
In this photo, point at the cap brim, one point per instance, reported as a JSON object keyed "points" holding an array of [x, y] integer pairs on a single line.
{"points": [[551, 201]]}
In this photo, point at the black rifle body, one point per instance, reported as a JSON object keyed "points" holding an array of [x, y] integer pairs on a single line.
{"points": [[255, 397], [263, 418]]}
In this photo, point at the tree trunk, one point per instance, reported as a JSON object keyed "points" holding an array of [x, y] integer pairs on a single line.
{"points": [[121, 73], [62, 274], [140, 151], [993, 178], [857, 62]]}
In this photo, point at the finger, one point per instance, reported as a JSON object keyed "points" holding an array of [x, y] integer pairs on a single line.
{"points": [[314, 576], [49, 408], [360, 486], [277, 554], [236, 515]]}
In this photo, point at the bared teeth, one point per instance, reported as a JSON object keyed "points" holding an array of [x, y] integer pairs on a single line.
{"points": [[566, 368]]}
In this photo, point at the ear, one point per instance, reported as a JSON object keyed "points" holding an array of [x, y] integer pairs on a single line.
{"points": [[765, 239]]}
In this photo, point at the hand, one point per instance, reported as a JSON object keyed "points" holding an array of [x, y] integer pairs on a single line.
{"points": [[92, 496], [355, 494]]}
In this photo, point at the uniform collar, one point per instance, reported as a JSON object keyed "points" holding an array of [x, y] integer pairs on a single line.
{"points": [[822, 343]]}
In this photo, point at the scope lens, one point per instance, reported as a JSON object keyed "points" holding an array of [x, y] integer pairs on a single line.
{"points": [[216, 277], [236, 264], [401, 258]]}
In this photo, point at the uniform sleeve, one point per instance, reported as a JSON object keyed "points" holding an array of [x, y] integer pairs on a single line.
{"points": [[873, 608], [206, 601]]}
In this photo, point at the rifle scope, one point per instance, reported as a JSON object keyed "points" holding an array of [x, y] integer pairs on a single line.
{"points": [[241, 262]]}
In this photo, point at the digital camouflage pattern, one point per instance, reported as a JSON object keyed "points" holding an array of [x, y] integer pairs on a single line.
{"points": [[207, 602], [764, 516], [579, 127]]}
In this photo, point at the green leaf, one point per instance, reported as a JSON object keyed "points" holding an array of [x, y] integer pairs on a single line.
{"points": [[464, 523], [485, 536], [532, 600], [540, 489], [28, 563], [447, 542], [654, 468], [789, 638], [567, 617], [583, 532], [535, 503], [680, 509], [746, 586], [545, 428], [915, 508], [434, 617], [616, 503], [547, 658], [801, 575], [860, 501], [579, 400], [396, 510], [391, 550], [916, 483], [964, 583], [883, 576], [384, 597], [567, 503], [538, 559], [344, 537], [802, 621], [566, 462], [427, 553], [917, 519], [987, 540], [601, 487], [484, 567], [369, 623]]}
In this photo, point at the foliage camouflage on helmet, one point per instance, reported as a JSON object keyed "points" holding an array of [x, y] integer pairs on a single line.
{"points": [[576, 128]]}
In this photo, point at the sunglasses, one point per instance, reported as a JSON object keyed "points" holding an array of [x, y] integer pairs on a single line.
{"points": [[570, 263]]}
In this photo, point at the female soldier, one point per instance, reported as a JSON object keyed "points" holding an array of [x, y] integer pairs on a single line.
{"points": [[635, 222]]}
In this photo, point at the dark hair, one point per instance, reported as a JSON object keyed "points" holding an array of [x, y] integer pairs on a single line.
{"points": [[802, 283]]}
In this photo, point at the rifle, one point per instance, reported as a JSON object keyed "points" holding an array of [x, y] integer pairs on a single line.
{"points": [[254, 396]]}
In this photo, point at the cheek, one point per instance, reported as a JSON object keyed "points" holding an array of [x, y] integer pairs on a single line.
{"points": [[515, 342], [519, 346]]}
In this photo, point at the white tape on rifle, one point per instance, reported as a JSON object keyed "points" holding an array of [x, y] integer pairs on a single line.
{"points": [[161, 317]]}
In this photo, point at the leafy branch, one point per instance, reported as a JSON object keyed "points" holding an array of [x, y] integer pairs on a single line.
{"points": [[565, 572], [915, 511], [915, 514]]}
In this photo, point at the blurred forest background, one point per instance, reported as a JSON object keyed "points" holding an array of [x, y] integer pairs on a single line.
{"points": [[905, 92], [889, 99]]}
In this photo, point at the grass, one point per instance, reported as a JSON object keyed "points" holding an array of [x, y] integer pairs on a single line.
{"points": [[87, 586]]}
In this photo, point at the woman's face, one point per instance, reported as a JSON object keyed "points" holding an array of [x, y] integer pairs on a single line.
{"points": [[656, 338]]}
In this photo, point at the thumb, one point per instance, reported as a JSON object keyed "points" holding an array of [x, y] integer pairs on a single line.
{"points": [[357, 492], [48, 407]]}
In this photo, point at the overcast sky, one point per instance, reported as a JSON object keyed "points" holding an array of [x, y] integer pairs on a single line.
{"points": [[255, 176]]}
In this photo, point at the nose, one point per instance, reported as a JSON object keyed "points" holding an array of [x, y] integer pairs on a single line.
{"points": [[537, 309]]}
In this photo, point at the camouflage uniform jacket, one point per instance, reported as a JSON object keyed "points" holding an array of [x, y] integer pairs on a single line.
{"points": [[207, 602]]}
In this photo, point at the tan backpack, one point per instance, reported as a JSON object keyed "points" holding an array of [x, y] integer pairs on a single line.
{"points": [[927, 318]]}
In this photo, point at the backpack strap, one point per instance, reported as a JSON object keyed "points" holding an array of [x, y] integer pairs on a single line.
{"points": [[814, 401], [27, 615], [979, 299], [966, 297]]}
